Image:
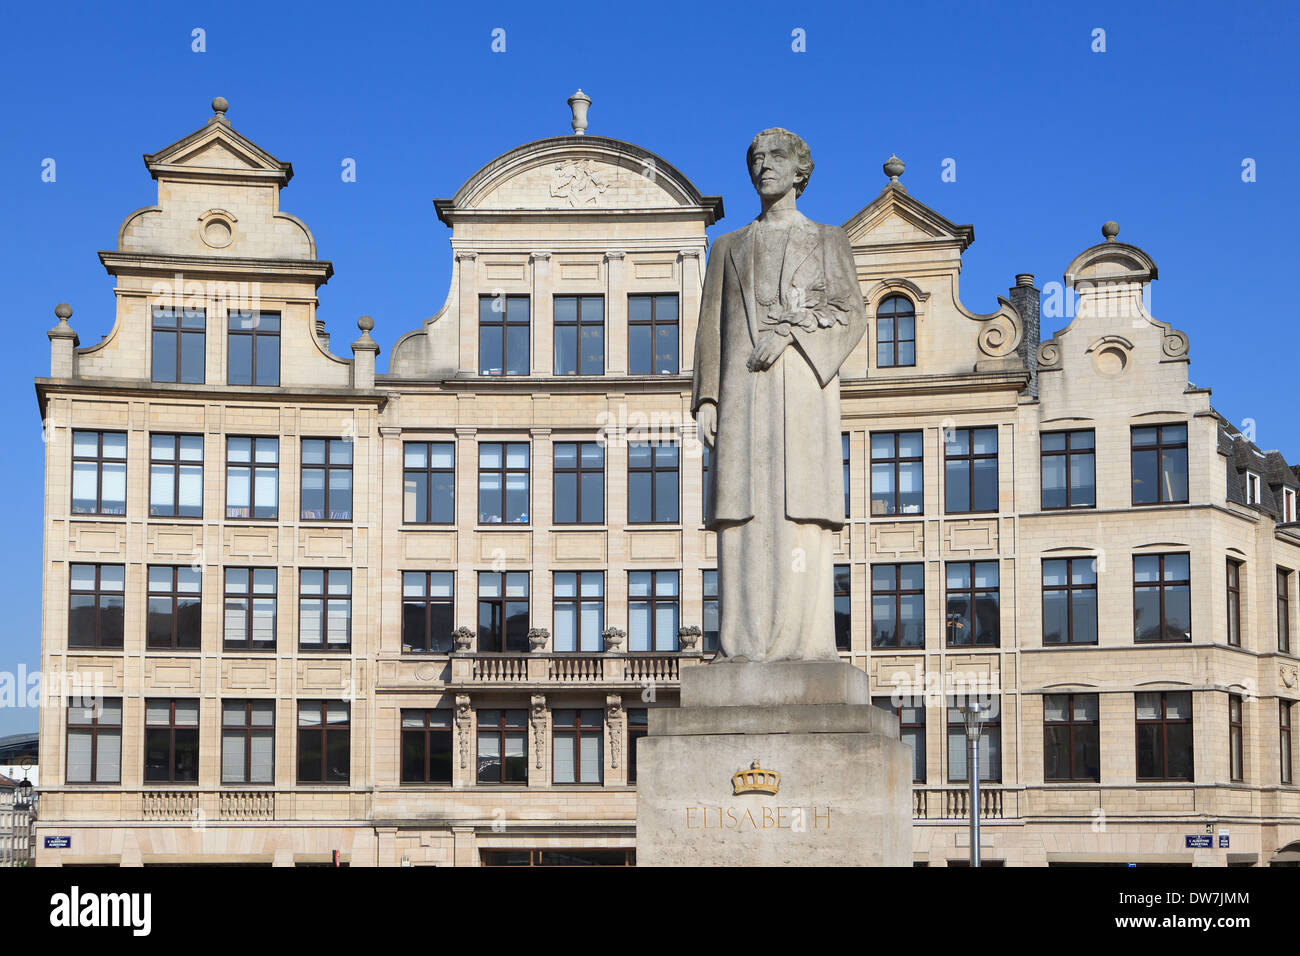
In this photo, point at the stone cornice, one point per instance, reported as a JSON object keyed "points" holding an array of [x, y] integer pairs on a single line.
{"points": [[317, 271]]}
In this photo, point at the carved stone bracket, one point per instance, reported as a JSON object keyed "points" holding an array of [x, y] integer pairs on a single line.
{"points": [[464, 716], [537, 716], [614, 721]]}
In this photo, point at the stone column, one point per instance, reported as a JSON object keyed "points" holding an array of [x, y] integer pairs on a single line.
{"points": [[692, 286], [465, 262], [543, 315], [615, 313]]}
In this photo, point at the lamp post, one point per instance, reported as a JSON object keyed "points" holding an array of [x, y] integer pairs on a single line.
{"points": [[974, 724]]}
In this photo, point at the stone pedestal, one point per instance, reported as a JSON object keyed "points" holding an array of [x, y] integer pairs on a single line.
{"points": [[781, 764]]}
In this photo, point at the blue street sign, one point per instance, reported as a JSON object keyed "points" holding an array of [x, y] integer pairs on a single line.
{"points": [[1199, 841], [58, 842]]}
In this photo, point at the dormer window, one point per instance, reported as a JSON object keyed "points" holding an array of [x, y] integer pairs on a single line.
{"points": [[895, 332], [1288, 505], [1252, 488]]}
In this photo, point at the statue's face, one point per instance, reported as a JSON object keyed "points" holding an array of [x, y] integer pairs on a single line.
{"points": [[773, 167]]}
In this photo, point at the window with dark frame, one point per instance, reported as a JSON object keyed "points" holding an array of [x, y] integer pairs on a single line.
{"points": [[428, 612], [1236, 739], [1159, 463], [972, 615], [652, 335], [1070, 601], [96, 605], [175, 616], [1234, 602], [638, 726], [579, 334], [578, 611], [429, 482], [897, 473], [1162, 598], [652, 479], [1284, 610], [841, 590], [502, 611], [898, 605], [1284, 741], [1071, 737], [1164, 736], [179, 345], [502, 747], [1068, 467], [895, 332], [578, 477], [248, 741], [253, 342], [98, 473], [712, 622], [176, 476], [576, 752], [249, 611], [653, 610], [427, 746], [324, 609], [970, 470], [324, 741], [504, 323], [503, 483], [252, 478], [910, 712], [95, 740], [990, 744], [171, 740], [326, 479]]}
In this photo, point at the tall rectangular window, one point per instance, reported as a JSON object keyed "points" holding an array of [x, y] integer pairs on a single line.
{"points": [[638, 726], [653, 610], [503, 611], [652, 334], [179, 345], [1234, 602], [1236, 739], [502, 746], [248, 741], [324, 741], [426, 746], [973, 615], [253, 478], [844, 470], [98, 473], [576, 746], [324, 609], [1071, 737], [842, 587], [503, 335], [579, 611], [96, 604], [897, 473], [176, 476], [95, 740], [503, 477], [579, 482], [897, 605], [911, 728], [990, 746], [254, 347], [712, 620], [428, 611], [429, 482], [1284, 740], [1070, 601], [895, 332], [1284, 610], [250, 609], [652, 472], [326, 479], [1069, 469], [1164, 736], [970, 470], [1159, 457], [171, 741], [1162, 597], [175, 617], [579, 335]]}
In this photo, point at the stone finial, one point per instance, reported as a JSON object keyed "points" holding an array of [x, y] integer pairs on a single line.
{"points": [[579, 102], [220, 105], [62, 342], [365, 324], [893, 168], [1110, 230], [364, 351]]}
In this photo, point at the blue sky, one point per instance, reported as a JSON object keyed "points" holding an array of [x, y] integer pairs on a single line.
{"points": [[1050, 139]]}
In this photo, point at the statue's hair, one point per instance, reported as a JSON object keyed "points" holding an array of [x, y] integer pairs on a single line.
{"points": [[802, 155]]}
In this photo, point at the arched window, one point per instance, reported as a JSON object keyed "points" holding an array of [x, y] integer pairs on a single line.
{"points": [[895, 332]]}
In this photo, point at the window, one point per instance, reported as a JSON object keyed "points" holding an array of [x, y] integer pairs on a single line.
{"points": [[576, 746], [972, 612], [895, 332], [652, 334], [579, 483], [1284, 739], [98, 473], [326, 479], [652, 482], [1234, 602], [1069, 469], [324, 741], [706, 472], [96, 604], [844, 471], [842, 586], [1288, 505], [579, 335], [1252, 488], [971, 470], [248, 741], [429, 482], [250, 609], [897, 474], [503, 611], [252, 478], [502, 746], [638, 726], [427, 611], [1159, 464], [179, 345], [911, 729], [503, 483], [1284, 610], [990, 745], [579, 611], [653, 610], [503, 335], [95, 740], [1070, 601], [324, 610], [176, 476], [1071, 737], [175, 618], [712, 620], [426, 746], [1164, 736], [171, 741], [254, 343], [1162, 598], [1236, 751], [897, 605]]}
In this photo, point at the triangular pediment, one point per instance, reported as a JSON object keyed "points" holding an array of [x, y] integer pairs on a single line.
{"points": [[895, 217], [217, 150]]}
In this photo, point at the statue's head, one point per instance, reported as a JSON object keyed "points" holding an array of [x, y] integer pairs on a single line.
{"points": [[778, 161]]}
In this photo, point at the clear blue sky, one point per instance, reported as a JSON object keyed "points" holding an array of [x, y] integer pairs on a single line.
{"points": [[1050, 140]]}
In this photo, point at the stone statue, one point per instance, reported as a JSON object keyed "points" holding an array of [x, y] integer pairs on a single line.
{"points": [[781, 311]]}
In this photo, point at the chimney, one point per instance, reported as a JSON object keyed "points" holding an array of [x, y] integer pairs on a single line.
{"points": [[62, 342], [1026, 299], [364, 352], [322, 335]]}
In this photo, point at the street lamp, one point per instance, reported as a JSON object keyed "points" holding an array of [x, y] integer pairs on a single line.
{"points": [[974, 718]]}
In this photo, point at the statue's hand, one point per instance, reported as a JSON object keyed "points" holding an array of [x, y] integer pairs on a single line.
{"points": [[769, 348], [707, 418]]}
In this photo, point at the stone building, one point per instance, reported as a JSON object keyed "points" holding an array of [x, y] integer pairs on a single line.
{"points": [[320, 614]]}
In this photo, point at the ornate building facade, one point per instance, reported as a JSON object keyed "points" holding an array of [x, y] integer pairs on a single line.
{"points": [[320, 614]]}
